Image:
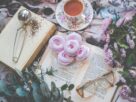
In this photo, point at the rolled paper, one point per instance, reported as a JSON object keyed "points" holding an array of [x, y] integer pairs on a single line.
{"points": [[74, 36], [71, 47], [82, 53], [64, 58], [56, 43]]}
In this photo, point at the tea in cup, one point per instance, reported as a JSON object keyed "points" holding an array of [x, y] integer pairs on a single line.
{"points": [[73, 10]]}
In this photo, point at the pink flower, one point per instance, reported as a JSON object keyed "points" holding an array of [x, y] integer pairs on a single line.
{"points": [[105, 24], [120, 22], [126, 17], [125, 92], [129, 16], [109, 57], [106, 47]]}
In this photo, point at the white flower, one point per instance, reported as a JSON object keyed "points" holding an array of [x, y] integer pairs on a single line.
{"points": [[116, 46], [132, 44], [123, 52], [128, 38], [133, 73]]}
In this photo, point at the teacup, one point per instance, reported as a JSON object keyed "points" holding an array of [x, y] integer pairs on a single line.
{"points": [[73, 10]]}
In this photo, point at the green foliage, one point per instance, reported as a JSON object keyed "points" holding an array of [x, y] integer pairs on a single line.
{"points": [[67, 87], [118, 36], [45, 89], [64, 87], [50, 71], [71, 86]]}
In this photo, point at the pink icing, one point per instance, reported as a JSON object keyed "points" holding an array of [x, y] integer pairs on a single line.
{"points": [[74, 36], [71, 47], [56, 43], [82, 53], [64, 58]]}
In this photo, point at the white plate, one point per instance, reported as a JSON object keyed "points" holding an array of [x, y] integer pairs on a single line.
{"points": [[62, 19]]}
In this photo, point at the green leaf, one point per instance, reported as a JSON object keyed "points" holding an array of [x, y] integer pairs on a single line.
{"points": [[45, 89], [64, 87], [122, 45], [131, 59], [71, 86], [50, 71], [68, 99]]}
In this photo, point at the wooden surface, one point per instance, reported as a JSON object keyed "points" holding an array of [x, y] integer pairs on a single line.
{"points": [[32, 46], [47, 62]]}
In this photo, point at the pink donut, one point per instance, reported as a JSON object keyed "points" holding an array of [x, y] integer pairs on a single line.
{"points": [[71, 47], [64, 58], [56, 43], [82, 53], [74, 36]]}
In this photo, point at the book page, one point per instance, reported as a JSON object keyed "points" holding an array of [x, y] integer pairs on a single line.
{"points": [[29, 47], [97, 68], [62, 74]]}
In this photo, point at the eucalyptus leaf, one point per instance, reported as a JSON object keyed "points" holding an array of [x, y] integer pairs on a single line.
{"points": [[131, 59], [45, 89], [64, 87], [122, 45], [36, 92], [54, 91], [68, 99], [61, 98], [70, 87]]}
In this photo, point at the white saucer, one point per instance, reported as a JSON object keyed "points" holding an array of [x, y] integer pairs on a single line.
{"points": [[62, 19]]}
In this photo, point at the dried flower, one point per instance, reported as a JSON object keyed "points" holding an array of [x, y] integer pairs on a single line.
{"points": [[125, 92]]}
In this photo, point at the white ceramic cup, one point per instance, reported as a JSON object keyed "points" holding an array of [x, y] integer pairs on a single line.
{"points": [[76, 18]]}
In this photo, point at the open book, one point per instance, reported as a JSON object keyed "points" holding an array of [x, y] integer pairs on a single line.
{"points": [[32, 44], [79, 73]]}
